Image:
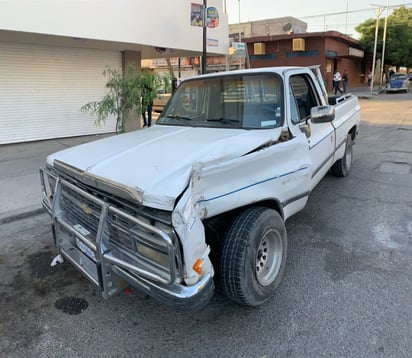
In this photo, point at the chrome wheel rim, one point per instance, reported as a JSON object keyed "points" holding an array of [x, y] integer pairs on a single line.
{"points": [[268, 258]]}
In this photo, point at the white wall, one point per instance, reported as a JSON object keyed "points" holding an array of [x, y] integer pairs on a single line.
{"points": [[161, 23]]}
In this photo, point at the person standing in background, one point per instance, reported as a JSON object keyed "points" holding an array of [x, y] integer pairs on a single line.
{"points": [[369, 78], [148, 94], [337, 77], [345, 80]]}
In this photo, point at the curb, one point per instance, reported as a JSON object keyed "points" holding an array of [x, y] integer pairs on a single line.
{"points": [[21, 215], [369, 95], [366, 96]]}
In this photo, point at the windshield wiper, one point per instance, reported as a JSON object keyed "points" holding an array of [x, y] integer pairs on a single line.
{"points": [[224, 120], [175, 116]]}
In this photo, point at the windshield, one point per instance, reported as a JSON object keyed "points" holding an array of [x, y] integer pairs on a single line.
{"points": [[252, 101], [398, 76]]}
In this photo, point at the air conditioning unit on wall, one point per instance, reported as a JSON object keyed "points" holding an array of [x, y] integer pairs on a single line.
{"points": [[298, 44], [259, 48]]}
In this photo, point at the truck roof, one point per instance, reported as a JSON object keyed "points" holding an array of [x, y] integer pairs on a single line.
{"points": [[277, 69]]}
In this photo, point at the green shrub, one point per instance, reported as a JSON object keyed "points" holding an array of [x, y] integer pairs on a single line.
{"points": [[124, 95]]}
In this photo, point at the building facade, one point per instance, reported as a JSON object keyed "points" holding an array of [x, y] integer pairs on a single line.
{"points": [[331, 50], [285, 42], [53, 53]]}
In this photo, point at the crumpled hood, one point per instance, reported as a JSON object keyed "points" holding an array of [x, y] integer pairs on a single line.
{"points": [[157, 162]]}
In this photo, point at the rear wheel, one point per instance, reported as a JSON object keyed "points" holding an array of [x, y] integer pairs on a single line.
{"points": [[343, 166], [253, 256]]}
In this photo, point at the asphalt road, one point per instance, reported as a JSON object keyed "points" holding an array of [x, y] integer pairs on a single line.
{"points": [[347, 290]]}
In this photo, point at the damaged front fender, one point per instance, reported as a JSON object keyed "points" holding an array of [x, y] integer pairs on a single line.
{"points": [[279, 172]]}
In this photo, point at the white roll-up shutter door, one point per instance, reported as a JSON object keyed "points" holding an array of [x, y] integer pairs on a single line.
{"points": [[42, 89]]}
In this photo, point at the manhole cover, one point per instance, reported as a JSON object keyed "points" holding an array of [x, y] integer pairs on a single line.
{"points": [[71, 305], [395, 168]]}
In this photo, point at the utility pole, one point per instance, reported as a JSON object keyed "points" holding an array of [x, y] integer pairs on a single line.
{"points": [[378, 14], [384, 43], [346, 20]]}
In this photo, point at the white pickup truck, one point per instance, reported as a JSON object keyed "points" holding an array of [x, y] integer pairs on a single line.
{"points": [[203, 195]]}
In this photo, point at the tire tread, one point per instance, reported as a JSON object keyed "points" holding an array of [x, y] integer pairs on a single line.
{"points": [[233, 258]]}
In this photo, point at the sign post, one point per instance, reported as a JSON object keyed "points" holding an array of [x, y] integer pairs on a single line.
{"points": [[204, 54], [205, 17]]}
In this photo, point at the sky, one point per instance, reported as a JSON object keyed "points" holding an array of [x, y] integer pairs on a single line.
{"points": [[318, 14]]}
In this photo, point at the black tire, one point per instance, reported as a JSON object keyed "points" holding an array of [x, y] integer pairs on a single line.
{"points": [[253, 256], [343, 166]]}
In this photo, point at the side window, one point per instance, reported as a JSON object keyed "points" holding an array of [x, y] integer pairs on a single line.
{"points": [[294, 113], [303, 97]]}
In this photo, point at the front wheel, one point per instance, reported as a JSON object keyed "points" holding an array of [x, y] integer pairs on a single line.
{"points": [[253, 256], [343, 166]]}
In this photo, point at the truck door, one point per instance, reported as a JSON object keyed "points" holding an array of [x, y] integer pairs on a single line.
{"points": [[320, 136]]}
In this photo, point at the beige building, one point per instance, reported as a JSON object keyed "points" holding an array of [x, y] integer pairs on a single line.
{"points": [[186, 67], [269, 27]]}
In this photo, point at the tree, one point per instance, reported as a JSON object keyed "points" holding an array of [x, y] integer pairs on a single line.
{"points": [[399, 38], [398, 48], [125, 95]]}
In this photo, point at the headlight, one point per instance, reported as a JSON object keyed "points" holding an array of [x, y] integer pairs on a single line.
{"points": [[149, 246], [144, 243], [159, 257]]}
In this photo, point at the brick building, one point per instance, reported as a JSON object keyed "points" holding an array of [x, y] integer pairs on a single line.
{"points": [[332, 50]]}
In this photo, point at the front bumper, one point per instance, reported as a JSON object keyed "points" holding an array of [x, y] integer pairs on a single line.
{"points": [[113, 248], [396, 89]]}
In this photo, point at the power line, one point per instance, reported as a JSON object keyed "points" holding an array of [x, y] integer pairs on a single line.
{"points": [[352, 11]]}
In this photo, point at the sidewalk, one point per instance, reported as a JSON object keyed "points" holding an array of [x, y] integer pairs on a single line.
{"points": [[363, 92], [20, 189]]}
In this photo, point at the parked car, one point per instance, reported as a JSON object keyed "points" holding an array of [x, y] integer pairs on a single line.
{"points": [[398, 83], [410, 76]]}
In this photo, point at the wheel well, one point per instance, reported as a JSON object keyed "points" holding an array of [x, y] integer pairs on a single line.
{"points": [[353, 132], [216, 226]]}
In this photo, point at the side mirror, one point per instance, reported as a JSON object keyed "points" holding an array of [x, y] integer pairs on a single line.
{"points": [[322, 114]]}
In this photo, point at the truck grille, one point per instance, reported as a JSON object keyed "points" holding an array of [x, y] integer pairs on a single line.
{"points": [[149, 247], [79, 210], [120, 232]]}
